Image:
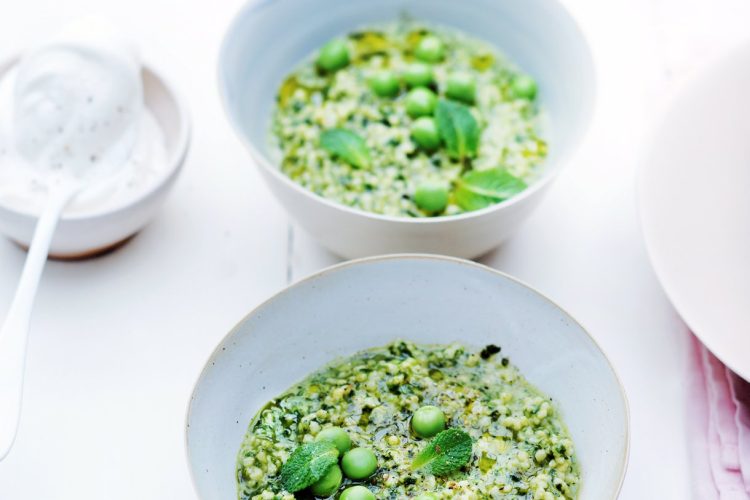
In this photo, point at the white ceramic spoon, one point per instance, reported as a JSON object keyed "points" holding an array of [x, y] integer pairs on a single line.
{"points": [[14, 333], [76, 103]]}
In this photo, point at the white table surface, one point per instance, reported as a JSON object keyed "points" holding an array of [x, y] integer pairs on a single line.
{"points": [[118, 341]]}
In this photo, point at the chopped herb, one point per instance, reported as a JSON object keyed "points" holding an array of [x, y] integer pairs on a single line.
{"points": [[347, 146], [481, 188], [448, 451], [308, 464], [458, 129], [489, 351]]}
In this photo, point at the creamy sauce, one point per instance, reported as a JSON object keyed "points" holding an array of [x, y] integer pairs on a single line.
{"points": [[521, 446], [72, 111]]}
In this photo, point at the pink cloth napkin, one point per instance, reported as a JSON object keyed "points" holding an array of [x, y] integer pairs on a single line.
{"points": [[719, 426]]}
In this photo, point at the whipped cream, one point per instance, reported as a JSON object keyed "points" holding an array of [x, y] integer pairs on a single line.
{"points": [[73, 110]]}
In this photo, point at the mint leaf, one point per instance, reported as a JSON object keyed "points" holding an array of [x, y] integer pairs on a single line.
{"points": [[458, 128], [308, 464], [448, 451], [481, 188], [347, 146]]}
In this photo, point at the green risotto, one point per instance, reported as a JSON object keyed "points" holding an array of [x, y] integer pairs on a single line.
{"points": [[407, 421], [409, 120]]}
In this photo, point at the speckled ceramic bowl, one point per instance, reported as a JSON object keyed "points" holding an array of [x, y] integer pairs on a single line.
{"points": [[427, 299]]}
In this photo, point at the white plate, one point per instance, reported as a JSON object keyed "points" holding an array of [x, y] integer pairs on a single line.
{"points": [[694, 196], [428, 299]]}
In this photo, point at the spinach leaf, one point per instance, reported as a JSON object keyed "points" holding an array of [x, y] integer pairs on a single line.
{"points": [[308, 464], [458, 128], [481, 188], [346, 145], [448, 451]]}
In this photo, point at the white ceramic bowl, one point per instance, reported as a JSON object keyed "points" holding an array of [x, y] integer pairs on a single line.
{"points": [[92, 233], [427, 299], [269, 38]]}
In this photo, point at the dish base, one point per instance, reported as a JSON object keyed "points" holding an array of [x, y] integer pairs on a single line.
{"points": [[87, 254]]}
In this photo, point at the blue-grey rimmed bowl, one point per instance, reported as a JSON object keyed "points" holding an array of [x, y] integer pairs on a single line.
{"points": [[427, 299]]}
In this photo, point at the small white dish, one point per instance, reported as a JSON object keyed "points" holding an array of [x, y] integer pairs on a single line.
{"points": [[82, 235], [695, 209], [539, 35], [427, 299]]}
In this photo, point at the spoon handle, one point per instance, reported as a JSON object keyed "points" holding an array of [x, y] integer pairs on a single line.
{"points": [[15, 329]]}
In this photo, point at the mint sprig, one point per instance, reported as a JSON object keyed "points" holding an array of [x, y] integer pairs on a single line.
{"points": [[481, 188], [448, 451], [347, 146], [308, 464], [458, 128]]}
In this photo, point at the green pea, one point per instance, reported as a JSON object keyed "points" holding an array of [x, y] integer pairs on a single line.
{"points": [[384, 84], [357, 493], [427, 496], [523, 87], [337, 436], [359, 463], [433, 198], [418, 75], [333, 56], [428, 421], [420, 102], [425, 133], [430, 49], [328, 484], [462, 87]]}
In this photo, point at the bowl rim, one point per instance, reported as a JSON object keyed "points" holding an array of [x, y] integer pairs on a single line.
{"points": [[268, 166], [210, 361], [175, 158]]}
